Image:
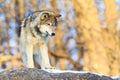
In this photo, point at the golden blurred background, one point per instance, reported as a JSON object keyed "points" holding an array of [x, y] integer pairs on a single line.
{"points": [[87, 37]]}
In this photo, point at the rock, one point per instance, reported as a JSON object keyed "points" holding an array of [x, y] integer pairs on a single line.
{"points": [[38, 74]]}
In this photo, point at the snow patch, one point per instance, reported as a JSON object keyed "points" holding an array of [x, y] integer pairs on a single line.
{"points": [[62, 71], [116, 77], [70, 71]]}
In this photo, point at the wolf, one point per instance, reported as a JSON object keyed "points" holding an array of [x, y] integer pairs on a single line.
{"points": [[34, 34]]}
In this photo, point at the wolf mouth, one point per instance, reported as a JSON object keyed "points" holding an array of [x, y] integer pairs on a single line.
{"points": [[41, 33], [47, 33]]}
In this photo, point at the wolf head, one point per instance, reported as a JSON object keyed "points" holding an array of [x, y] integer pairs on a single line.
{"points": [[41, 23], [48, 23]]}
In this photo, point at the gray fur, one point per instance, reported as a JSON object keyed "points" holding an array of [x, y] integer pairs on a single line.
{"points": [[35, 30]]}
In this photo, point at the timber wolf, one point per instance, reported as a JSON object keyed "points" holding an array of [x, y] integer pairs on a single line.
{"points": [[34, 34]]}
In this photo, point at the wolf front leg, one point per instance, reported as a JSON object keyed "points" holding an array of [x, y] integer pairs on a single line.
{"points": [[29, 54], [45, 63]]}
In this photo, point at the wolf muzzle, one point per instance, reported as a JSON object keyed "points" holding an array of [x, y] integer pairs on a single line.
{"points": [[50, 34]]}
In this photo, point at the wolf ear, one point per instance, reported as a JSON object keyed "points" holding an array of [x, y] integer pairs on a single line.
{"points": [[58, 15], [44, 16]]}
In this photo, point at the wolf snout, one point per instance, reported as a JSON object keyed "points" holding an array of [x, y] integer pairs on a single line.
{"points": [[52, 34]]}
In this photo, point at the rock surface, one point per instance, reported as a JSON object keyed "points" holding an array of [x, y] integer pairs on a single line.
{"points": [[37, 74]]}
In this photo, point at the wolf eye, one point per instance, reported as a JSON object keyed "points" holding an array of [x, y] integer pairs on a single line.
{"points": [[44, 16], [48, 24]]}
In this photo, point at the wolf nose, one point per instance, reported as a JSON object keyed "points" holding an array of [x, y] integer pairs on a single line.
{"points": [[53, 34]]}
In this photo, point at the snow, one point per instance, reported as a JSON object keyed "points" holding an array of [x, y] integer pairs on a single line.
{"points": [[80, 72], [68, 71], [62, 71], [116, 77]]}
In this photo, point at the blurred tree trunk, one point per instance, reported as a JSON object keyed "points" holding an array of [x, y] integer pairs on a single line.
{"points": [[20, 10], [111, 37], [88, 25]]}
